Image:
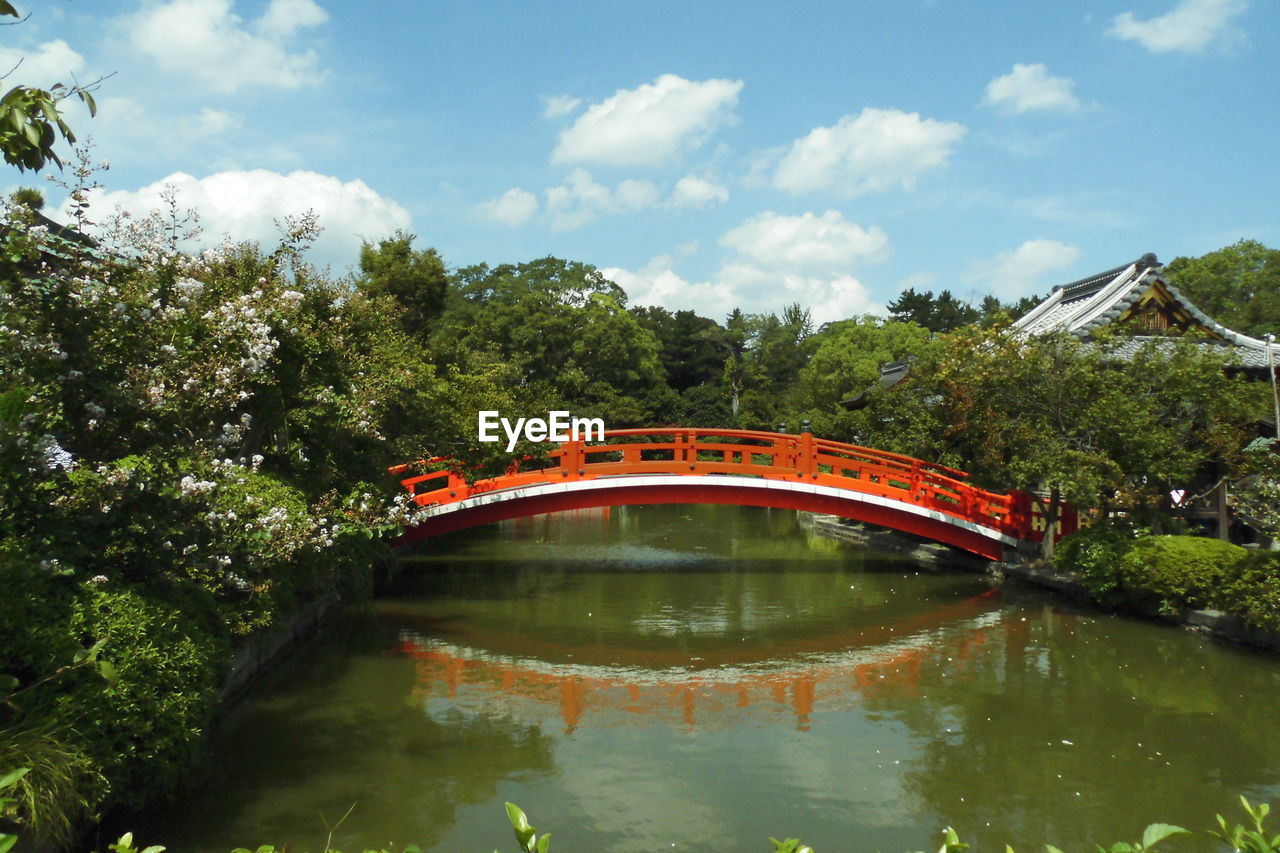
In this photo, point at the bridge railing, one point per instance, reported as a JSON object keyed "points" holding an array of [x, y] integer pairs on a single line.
{"points": [[797, 458]]}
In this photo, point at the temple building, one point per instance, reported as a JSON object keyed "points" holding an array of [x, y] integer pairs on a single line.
{"points": [[1137, 298], [1134, 297]]}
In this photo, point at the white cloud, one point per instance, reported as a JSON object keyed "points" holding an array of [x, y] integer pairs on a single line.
{"points": [[874, 151], [776, 260], [657, 283], [515, 207], [211, 122], [206, 40], [1031, 87], [1190, 27], [51, 62], [244, 206], [651, 125], [283, 18], [556, 106], [1018, 273], [696, 192], [806, 242], [582, 199], [130, 118]]}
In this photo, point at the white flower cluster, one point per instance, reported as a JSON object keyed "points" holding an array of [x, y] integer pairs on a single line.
{"points": [[115, 475], [191, 486], [232, 434], [404, 511], [55, 456]]}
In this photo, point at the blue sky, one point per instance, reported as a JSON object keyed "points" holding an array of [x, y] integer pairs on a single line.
{"points": [[705, 155]]}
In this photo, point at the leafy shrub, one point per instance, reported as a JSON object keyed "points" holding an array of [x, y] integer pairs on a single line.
{"points": [[144, 729], [1172, 570], [1123, 564], [1094, 552], [1254, 593]]}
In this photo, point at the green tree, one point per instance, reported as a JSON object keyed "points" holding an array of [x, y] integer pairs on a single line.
{"points": [[415, 278], [1099, 423], [694, 348], [937, 314], [564, 328], [1239, 286], [849, 354]]}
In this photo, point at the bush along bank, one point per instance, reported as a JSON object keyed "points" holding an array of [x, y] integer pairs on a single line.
{"points": [[1126, 566], [191, 448]]}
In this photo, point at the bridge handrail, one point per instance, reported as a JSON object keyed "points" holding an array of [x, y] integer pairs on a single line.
{"points": [[794, 457]]}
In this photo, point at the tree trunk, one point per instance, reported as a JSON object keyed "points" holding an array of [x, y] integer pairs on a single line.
{"points": [[1051, 514], [1224, 513]]}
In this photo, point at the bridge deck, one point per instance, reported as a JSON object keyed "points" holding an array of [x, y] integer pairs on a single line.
{"points": [[665, 465]]}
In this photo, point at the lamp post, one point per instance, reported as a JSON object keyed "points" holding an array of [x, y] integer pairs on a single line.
{"points": [[1271, 371]]}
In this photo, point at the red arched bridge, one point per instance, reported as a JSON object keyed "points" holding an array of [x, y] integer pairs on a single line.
{"points": [[744, 467]]}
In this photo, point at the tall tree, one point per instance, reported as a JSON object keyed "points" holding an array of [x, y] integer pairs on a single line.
{"points": [[415, 279], [1089, 422], [1239, 286], [563, 326], [937, 314], [694, 348], [849, 354]]}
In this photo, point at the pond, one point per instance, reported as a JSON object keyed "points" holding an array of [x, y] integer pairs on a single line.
{"points": [[702, 678]]}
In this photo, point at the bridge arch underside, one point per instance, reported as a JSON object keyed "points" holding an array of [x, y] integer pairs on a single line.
{"points": [[540, 498]]}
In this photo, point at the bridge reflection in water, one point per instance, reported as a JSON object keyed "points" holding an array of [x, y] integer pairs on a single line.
{"points": [[719, 690]]}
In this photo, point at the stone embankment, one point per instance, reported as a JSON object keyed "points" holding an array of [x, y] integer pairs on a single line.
{"points": [[255, 658], [1215, 623]]}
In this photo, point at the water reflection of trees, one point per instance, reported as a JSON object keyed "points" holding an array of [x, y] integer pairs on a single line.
{"points": [[1083, 728], [342, 730]]}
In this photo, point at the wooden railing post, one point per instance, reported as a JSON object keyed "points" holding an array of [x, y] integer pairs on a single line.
{"points": [[808, 458], [571, 458]]}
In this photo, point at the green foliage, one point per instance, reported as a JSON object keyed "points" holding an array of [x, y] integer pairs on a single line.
{"points": [[849, 354], [1102, 423], [1257, 494], [1239, 286], [8, 805], [526, 835], [1254, 592], [49, 797], [693, 349], [415, 279], [1251, 837], [31, 121], [144, 729], [942, 313], [1245, 838], [1178, 570], [790, 845], [1094, 553], [563, 329], [1121, 563], [1151, 836], [190, 446]]}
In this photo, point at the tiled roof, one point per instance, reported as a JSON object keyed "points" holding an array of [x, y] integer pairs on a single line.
{"points": [[1084, 306]]}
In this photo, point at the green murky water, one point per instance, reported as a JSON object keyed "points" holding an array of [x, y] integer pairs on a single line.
{"points": [[700, 678]]}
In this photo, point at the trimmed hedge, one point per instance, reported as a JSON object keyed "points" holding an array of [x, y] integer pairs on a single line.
{"points": [[1123, 565]]}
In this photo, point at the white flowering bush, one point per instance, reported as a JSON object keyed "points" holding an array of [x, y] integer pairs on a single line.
{"points": [[191, 445]]}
